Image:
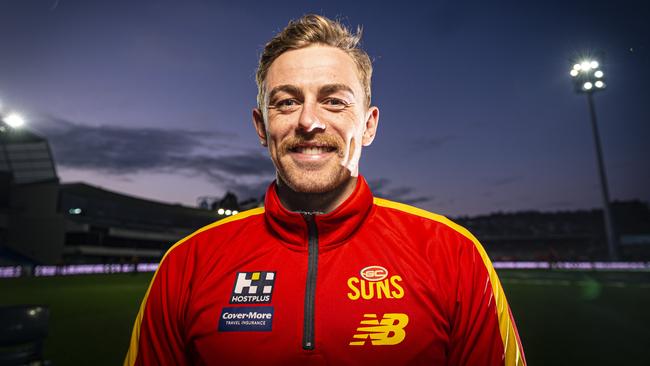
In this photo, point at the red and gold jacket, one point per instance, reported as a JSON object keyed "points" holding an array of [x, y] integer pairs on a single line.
{"points": [[373, 282]]}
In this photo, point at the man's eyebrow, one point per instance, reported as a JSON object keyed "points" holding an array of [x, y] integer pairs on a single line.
{"points": [[333, 88], [287, 88]]}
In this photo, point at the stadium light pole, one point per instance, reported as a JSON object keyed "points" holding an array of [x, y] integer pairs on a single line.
{"points": [[588, 78]]}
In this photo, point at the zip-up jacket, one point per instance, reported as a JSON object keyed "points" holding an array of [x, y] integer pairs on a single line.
{"points": [[373, 282]]}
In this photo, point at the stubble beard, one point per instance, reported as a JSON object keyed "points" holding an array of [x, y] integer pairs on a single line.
{"points": [[315, 181]]}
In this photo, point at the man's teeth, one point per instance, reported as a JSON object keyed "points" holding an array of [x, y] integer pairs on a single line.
{"points": [[312, 150]]}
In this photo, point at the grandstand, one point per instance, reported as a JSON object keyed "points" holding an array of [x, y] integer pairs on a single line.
{"points": [[569, 235], [45, 222], [104, 226]]}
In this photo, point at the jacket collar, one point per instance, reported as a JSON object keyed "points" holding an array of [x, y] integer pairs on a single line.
{"points": [[334, 228]]}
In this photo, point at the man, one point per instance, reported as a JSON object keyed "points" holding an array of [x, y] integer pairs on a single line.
{"points": [[324, 273]]}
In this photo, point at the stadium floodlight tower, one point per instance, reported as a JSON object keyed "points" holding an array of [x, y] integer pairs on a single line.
{"points": [[588, 78]]}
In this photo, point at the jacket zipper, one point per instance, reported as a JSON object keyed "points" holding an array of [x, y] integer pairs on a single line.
{"points": [[310, 289]]}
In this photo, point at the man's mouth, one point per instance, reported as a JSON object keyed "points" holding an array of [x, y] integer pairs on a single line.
{"points": [[312, 150]]}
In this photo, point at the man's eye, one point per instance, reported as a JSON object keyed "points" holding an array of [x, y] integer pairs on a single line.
{"points": [[335, 103], [286, 104]]}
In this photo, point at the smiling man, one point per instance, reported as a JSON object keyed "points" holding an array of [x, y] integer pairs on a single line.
{"points": [[314, 116], [325, 273]]}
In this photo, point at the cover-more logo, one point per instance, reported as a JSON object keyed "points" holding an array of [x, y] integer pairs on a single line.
{"points": [[387, 331], [253, 288]]}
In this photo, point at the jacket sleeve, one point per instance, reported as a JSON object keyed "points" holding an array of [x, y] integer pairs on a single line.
{"points": [[483, 330], [157, 337]]}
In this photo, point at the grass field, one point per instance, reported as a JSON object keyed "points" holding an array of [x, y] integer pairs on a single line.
{"points": [[564, 318], [577, 318], [90, 316]]}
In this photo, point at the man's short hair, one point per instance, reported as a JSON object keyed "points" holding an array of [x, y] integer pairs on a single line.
{"points": [[309, 30]]}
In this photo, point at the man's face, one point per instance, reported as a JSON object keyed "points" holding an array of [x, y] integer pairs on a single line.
{"points": [[315, 119]]}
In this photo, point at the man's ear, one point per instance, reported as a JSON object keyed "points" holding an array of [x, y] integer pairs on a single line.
{"points": [[258, 122], [371, 126]]}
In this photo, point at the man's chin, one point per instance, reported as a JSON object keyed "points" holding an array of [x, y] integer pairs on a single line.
{"points": [[314, 182]]}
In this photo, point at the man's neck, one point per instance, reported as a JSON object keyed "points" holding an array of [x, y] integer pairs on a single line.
{"points": [[315, 202]]}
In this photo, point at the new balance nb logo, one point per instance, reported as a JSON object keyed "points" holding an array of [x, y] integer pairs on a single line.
{"points": [[387, 331], [253, 288]]}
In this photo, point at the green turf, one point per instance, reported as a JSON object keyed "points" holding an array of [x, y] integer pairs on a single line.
{"points": [[90, 316], [564, 318], [581, 318]]}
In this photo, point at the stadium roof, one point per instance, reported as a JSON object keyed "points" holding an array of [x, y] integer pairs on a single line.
{"points": [[26, 156], [87, 203]]}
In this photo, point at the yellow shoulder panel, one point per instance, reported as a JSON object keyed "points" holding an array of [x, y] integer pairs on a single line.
{"points": [[135, 335], [511, 346]]}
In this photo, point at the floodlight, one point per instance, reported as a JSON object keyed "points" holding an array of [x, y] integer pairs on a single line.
{"points": [[220, 211], [228, 212], [587, 82], [14, 120]]}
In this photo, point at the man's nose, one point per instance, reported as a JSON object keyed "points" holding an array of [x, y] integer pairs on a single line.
{"points": [[308, 120]]}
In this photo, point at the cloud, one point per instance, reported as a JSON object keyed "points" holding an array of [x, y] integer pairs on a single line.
{"points": [[122, 151], [246, 190], [382, 187]]}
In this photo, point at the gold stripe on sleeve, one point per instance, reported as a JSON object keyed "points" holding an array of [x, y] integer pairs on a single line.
{"points": [[132, 354], [512, 349]]}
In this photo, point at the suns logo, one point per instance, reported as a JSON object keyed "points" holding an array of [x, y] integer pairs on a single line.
{"points": [[375, 283]]}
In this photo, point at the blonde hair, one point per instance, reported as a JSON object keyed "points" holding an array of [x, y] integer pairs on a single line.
{"points": [[306, 31]]}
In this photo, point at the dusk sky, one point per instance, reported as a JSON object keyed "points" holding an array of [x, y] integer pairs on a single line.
{"points": [[477, 109]]}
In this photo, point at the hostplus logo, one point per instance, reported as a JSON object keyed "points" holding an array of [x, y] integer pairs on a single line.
{"points": [[253, 288]]}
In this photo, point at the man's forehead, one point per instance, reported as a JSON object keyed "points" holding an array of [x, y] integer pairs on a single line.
{"points": [[313, 67]]}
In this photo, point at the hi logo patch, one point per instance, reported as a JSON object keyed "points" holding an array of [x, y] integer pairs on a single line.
{"points": [[253, 288], [387, 331]]}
